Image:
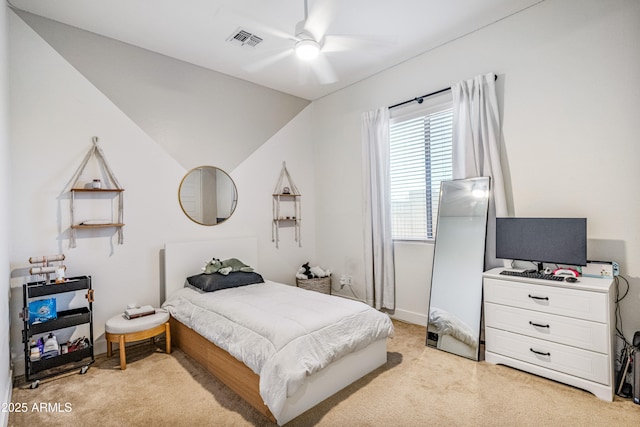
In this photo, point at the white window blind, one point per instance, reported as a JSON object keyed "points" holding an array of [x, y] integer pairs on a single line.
{"points": [[420, 153]]}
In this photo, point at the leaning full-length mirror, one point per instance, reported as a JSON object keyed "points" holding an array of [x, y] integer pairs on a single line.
{"points": [[207, 195], [458, 262]]}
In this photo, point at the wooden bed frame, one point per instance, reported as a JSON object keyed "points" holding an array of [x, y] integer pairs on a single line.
{"points": [[186, 258], [235, 374]]}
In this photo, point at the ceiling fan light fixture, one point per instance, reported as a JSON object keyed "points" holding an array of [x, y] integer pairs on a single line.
{"points": [[307, 49]]}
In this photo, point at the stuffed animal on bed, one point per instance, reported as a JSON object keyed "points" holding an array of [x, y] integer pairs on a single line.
{"points": [[227, 266]]}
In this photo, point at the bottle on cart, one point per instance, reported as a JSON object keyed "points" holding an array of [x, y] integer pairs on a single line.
{"points": [[51, 347], [34, 351], [40, 345]]}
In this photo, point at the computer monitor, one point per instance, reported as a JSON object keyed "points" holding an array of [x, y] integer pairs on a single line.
{"points": [[550, 240]]}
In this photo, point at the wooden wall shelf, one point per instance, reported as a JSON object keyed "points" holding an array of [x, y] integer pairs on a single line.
{"points": [[111, 186], [78, 226], [97, 190], [286, 194]]}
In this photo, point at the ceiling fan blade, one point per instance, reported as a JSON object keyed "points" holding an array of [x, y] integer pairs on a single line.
{"points": [[304, 74], [324, 71], [268, 61], [320, 18], [342, 43]]}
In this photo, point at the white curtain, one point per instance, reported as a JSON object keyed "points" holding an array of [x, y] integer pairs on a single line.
{"points": [[378, 250], [476, 146]]}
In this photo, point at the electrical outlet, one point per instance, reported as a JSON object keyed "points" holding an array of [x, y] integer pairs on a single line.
{"points": [[345, 280]]}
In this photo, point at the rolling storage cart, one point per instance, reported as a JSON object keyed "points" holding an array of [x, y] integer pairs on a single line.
{"points": [[80, 357]]}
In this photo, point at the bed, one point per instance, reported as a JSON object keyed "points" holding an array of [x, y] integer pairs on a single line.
{"points": [[289, 372]]}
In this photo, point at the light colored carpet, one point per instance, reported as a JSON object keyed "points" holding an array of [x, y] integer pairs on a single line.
{"points": [[418, 386]]}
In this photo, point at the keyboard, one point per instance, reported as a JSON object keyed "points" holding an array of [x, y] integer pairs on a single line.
{"points": [[532, 275]]}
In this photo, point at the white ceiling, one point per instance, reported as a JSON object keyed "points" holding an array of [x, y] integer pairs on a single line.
{"points": [[363, 37]]}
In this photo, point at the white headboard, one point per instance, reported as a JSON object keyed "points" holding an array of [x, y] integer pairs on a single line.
{"points": [[184, 259]]}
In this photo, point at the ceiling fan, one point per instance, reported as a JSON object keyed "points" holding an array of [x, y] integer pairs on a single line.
{"points": [[307, 47], [310, 43]]}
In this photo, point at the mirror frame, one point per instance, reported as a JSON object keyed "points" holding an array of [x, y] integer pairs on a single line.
{"points": [[442, 271], [234, 201]]}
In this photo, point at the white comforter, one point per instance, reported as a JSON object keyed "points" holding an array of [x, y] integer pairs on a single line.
{"points": [[281, 332]]}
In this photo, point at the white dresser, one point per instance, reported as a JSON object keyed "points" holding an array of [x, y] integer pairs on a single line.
{"points": [[558, 330]]}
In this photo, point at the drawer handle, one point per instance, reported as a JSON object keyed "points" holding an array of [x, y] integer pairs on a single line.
{"points": [[540, 352], [541, 298], [539, 325]]}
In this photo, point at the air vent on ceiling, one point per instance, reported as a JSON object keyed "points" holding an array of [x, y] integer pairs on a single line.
{"points": [[243, 37]]}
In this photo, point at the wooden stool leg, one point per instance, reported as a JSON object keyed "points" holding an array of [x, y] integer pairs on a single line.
{"points": [[109, 349], [167, 336], [123, 356]]}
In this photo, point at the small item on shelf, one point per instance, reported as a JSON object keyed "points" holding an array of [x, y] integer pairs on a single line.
{"points": [[145, 310], [34, 355], [286, 190], [78, 344], [60, 274], [96, 184], [46, 268], [51, 347], [34, 351], [42, 310], [97, 222]]}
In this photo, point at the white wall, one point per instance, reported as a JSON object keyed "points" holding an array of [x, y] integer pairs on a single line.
{"points": [[177, 104], [5, 220], [55, 112], [569, 94]]}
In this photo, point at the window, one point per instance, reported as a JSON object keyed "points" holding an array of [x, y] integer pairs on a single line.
{"points": [[420, 154]]}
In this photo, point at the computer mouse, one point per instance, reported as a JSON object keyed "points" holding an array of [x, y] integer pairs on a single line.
{"points": [[571, 279]]}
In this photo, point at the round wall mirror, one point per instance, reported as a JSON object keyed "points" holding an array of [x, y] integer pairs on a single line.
{"points": [[207, 195]]}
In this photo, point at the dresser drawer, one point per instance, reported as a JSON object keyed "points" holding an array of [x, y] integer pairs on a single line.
{"points": [[585, 334], [579, 304], [580, 363]]}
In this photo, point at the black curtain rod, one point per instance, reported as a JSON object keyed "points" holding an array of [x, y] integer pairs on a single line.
{"points": [[420, 99]]}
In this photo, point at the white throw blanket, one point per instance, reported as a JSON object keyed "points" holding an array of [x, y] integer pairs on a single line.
{"points": [[282, 333]]}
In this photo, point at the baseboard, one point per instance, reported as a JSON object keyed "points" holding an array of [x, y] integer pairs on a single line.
{"points": [[338, 294], [410, 317], [4, 415], [398, 314]]}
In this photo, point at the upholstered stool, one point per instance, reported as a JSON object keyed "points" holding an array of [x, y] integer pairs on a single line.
{"points": [[122, 330]]}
